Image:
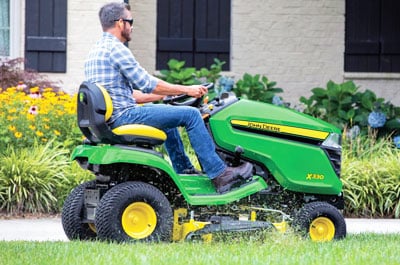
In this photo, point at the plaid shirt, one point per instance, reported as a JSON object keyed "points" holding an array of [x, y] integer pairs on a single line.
{"points": [[111, 64]]}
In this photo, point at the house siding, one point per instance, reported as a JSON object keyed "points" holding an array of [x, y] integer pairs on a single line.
{"points": [[299, 44]]}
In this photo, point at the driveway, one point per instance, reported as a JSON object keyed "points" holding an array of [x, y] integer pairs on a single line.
{"points": [[50, 229]]}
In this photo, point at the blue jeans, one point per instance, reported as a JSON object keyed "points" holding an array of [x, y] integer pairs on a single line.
{"points": [[168, 118]]}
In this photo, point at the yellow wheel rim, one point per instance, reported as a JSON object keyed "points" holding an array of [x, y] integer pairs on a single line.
{"points": [[322, 229], [139, 220]]}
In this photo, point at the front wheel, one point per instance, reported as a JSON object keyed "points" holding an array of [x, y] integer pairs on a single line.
{"points": [[134, 211], [320, 221]]}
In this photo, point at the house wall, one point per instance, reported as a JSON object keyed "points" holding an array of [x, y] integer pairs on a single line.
{"points": [[298, 44]]}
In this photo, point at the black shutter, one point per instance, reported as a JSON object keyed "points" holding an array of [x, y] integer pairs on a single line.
{"points": [[194, 31], [174, 31], [390, 36], [372, 36], [46, 35], [212, 32], [362, 36]]}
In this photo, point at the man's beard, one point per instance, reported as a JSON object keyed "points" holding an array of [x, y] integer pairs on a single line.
{"points": [[126, 34]]}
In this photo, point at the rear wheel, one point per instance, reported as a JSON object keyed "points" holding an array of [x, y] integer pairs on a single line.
{"points": [[320, 221], [134, 211], [72, 214]]}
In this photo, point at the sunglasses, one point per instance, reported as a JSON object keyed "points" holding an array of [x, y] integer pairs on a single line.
{"points": [[130, 21]]}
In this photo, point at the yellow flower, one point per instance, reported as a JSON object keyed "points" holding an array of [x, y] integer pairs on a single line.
{"points": [[32, 127], [44, 139], [57, 132], [46, 126], [34, 89], [12, 128], [18, 135], [39, 133]]}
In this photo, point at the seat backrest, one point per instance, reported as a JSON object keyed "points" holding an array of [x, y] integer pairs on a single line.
{"points": [[94, 109]]}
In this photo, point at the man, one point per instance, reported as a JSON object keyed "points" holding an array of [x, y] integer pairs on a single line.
{"points": [[111, 64]]}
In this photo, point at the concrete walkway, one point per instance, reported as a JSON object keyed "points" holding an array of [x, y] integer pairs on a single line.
{"points": [[50, 229]]}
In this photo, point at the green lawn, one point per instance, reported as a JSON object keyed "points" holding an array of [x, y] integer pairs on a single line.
{"points": [[276, 249]]}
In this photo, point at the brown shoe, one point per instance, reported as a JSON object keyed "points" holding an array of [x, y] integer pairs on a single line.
{"points": [[231, 176]]}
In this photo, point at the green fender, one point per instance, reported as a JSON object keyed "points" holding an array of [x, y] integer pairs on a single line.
{"points": [[197, 190]]}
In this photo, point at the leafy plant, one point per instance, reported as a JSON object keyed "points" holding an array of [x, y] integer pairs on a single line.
{"points": [[344, 106], [29, 178], [371, 182], [213, 74], [256, 87], [178, 74], [12, 75]]}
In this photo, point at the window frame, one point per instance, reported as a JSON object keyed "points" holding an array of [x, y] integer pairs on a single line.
{"points": [[14, 29]]}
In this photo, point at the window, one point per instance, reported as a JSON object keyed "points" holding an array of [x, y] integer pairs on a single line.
{"points": [[10, 24], [194, 31], [4, 28], [372, 36]]}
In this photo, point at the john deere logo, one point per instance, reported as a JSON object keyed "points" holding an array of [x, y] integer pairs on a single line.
{"points": [[311, 176], [276, 128]]}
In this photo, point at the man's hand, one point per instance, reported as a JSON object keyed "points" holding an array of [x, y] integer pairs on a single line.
{"points": [[197, 91]]}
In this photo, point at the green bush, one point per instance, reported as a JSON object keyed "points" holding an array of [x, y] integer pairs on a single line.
{"points": [[256, 87], [345, 107], [371, 179], [36, 179], [177, 73], [29, 178]]}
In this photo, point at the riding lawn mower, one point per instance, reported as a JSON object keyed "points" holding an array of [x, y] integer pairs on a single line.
{"points": [[136, 196]]}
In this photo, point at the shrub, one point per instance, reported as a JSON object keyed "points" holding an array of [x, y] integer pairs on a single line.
{"points": [[178, 74], [347, 108], [12, 74], [370, 175], [26, 118], [256, 87], [29, 178], [37, 179]]}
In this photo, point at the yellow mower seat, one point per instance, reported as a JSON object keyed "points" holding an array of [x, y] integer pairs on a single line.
{"points": [[95, 109]]}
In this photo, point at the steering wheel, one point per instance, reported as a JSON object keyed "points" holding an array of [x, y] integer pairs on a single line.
{"points": [[186, 100]]}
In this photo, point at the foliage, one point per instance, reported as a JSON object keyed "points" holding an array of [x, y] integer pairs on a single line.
{"points": [[11, 73], [345, 107], [211, 75], [29, 178], [371, 180], [26, 118], [37, 179], [353, 250], [178, 74], [256, 87]]}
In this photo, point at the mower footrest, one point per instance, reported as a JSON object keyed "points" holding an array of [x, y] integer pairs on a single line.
{"points": [[251, 187]]}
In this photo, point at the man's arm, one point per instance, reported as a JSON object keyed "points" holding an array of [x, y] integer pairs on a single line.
{"points": [[165, 88], [141, 97]]}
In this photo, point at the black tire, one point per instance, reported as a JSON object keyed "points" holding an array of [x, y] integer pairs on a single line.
{"points": [[72, 214], [134, 211], [320, 221]]}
